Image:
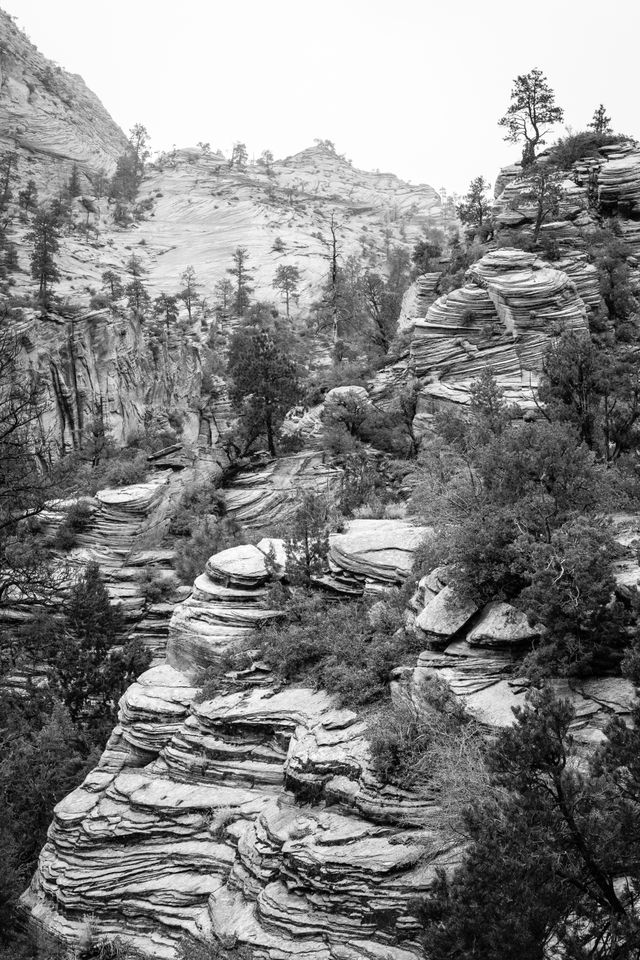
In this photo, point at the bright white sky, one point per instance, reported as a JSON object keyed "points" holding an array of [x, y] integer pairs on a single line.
{"points": [[414, 87]]}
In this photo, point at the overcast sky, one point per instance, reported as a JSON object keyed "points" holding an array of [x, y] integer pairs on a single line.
{"points": [[414, 87]]}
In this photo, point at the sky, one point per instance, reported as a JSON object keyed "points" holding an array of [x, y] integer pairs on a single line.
{"points": [[412, 87]]}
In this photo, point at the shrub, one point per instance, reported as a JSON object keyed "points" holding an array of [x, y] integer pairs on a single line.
{"points": [[578, 146], [432, 744], [336, 646], [155, 588], [207, 537], [78, 518], [122, 471], [198, 501]]}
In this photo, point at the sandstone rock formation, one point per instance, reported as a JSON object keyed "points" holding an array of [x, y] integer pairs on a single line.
{"points": [[503, 317], [255, 816], [50, 117]]}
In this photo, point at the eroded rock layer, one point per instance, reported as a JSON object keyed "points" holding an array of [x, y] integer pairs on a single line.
{"points": [[254, 816], [504, 317]]}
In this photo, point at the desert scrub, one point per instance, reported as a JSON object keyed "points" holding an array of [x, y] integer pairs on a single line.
{"points": [[348, 647], [431, 744], [78, 517], [154, 587]]}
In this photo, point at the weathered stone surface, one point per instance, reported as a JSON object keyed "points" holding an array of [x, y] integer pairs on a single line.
{"points": [[503, 317], [50, 115], [267, 496], [445, 614], [196, 819], [501, 625], [382, 550]]}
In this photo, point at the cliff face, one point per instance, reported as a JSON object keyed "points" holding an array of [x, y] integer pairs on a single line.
{"points": [[49, 117]]}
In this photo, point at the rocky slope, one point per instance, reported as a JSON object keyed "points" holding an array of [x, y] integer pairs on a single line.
{"points": [[49, 117], [192, 210]]}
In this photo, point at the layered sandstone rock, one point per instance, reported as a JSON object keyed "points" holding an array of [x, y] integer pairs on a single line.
{"points": [[49, 116], [211, 818], [503, 317]]}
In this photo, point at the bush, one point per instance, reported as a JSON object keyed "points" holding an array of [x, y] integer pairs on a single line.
{"points": [[78, 518], [337, 646], [404, 737], [207, 538], [198, 501], [122, 471], [154, 587], [579, 146]]}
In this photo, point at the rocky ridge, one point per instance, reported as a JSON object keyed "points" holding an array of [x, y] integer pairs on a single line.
{"points": [[49, 117]]}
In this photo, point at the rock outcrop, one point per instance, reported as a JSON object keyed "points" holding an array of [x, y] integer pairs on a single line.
{"points": [[511, 306], [255, 816]]}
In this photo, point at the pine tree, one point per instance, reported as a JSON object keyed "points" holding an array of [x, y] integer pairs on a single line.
{"points": [[264, 382], [243, 276], [531, 112], [286, 279], [600, 122], [44, 236]]}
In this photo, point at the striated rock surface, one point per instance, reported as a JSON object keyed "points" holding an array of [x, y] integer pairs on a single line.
{"points": [[501, 625], [504, 317], [49, 116], [254, 816], [376, 550], [266, 496]]}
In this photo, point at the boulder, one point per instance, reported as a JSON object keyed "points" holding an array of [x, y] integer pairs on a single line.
{"points": [[501, 625], [445, 615], [382, 550]]}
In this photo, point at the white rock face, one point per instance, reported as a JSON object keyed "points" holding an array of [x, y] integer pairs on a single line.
{"points": [[380, 550], [50, 116], [503, 317]]}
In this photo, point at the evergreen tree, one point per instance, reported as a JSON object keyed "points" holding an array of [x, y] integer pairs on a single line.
{"points": [[74, 188], [189, 292], [286, 279], [264, 381], [531, 112], [475, 207], [112, 283], [28, 198], [553, 865], [600, 122], [90, 670], [242, 276], [44, 237]]}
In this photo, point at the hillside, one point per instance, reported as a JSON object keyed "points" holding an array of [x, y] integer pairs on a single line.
{"points": [[50, 117], [318, 623]]}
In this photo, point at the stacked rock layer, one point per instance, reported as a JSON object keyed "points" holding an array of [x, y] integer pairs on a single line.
{"points": [[253, 816]]}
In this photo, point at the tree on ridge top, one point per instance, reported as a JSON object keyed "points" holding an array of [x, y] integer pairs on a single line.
{"points": [[532, 110]]}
